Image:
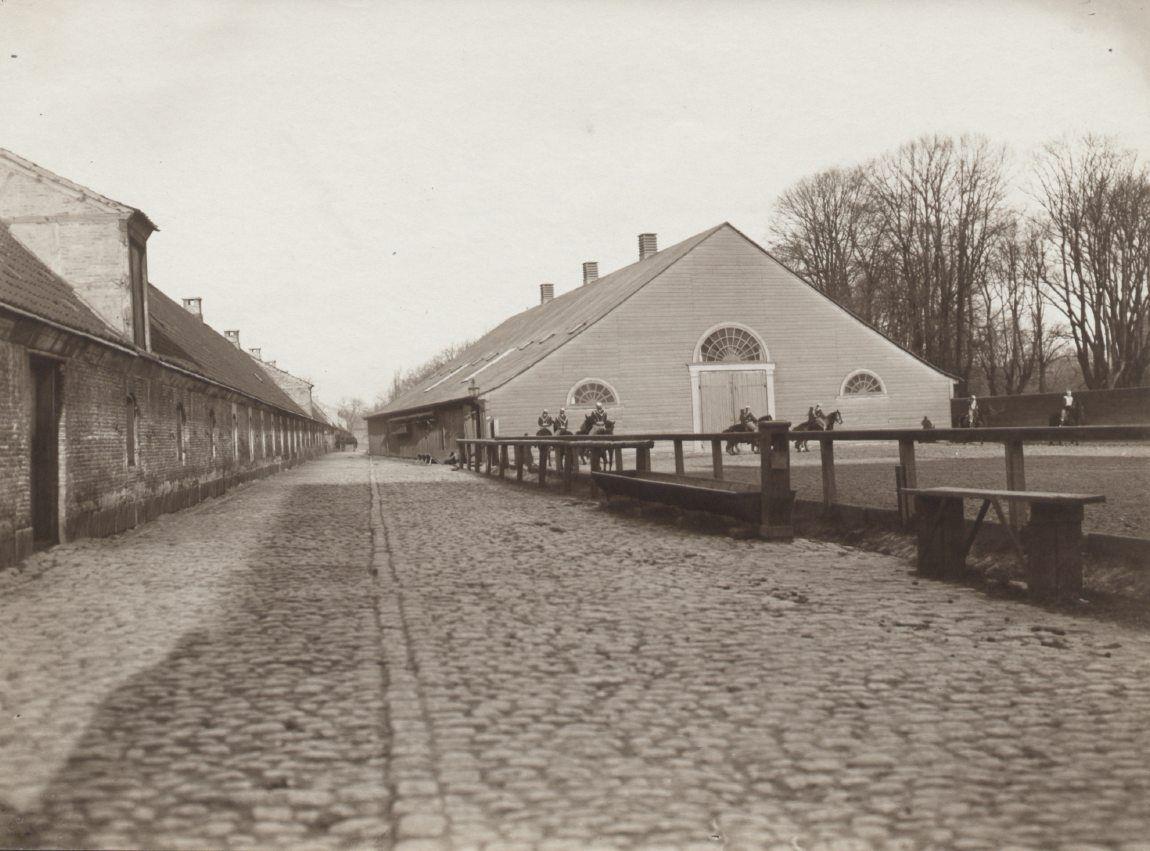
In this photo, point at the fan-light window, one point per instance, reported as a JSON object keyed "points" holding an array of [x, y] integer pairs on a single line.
{"points": [[863, 383], [590, 392], [731, 344]]}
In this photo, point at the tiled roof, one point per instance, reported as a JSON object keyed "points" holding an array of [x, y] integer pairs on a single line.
{"points": [[28, 285], [185, 340], [528, 337]]}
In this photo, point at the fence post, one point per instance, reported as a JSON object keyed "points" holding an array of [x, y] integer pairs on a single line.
{"points": [[906, 460], [488, 451], [568, 455], [717, 459], [619, 460], [643, 459], [595, 467], [543, 449], [777, 498], [827, 461], [502, 459], [1015, 480], [518, 462], [680, 467]]}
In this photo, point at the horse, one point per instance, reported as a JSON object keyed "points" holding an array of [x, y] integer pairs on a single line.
{"points": [[813, 424], [1072, 416], [590, 427], [732, 446]]}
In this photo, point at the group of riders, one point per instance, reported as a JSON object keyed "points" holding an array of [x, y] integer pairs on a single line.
{"points": [[595, 421], [1069, 414]]}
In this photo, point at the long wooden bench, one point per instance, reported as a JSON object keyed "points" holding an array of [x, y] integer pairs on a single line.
{"points": [[1050, 546]]}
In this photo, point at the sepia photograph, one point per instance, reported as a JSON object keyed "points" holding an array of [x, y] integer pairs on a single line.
{"points": [[575, 424]]}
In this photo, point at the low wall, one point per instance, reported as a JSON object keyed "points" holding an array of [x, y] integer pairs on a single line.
{"points": [[1128, 406]]}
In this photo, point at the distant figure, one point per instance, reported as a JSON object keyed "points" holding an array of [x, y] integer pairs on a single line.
{"points": [[598, 416], [560, 421], [926, 423], [972, 412], [453, 460], [1068, 399], [748, 419]]}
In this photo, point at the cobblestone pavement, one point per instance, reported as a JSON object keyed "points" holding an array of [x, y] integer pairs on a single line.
{"points": [[362, 654], [586, 678], [211, 680]]}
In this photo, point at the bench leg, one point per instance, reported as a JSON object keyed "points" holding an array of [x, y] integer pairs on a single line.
{"points": [[1053, 541], [941, 537]]}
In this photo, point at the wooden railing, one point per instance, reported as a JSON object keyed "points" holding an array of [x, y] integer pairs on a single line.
{"points": [[501, 454], [1012, 438]]}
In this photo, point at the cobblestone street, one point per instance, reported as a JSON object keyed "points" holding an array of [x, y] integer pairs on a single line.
{"points": [[360, 654]]}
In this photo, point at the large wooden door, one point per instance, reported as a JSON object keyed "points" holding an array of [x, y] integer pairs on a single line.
{"points": [[723, 393], [45, 450]]}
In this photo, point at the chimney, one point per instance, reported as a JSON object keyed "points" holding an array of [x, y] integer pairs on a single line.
{"points": [[256, 353], [546, 293], [647, 246], [590, 272], [195, 306], [270, 363], [233, 338]]}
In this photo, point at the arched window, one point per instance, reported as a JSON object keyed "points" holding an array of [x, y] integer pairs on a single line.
{"points": [[590, 391], [132, 430], [863, 383], [235, 437], [731, 344], [264, 434], [251, 435], [181, 434], [212, 435]]}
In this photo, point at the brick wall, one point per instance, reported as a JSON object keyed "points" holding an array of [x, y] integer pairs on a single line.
{"points": [[101, 493]]}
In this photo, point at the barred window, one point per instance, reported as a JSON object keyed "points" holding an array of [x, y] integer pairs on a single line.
{"points": [[731, 344], [862, 383], [590, 392]]}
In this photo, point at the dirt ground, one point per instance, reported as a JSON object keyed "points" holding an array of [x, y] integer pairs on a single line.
{"points": [[864, 474]]}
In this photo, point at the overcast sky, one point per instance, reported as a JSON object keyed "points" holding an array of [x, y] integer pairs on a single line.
{"points": [[356, 184]]}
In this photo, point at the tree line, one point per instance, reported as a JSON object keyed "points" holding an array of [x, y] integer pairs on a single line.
{"points": [[983, 273]]}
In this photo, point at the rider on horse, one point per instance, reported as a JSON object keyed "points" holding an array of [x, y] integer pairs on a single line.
{"points": [[560, 420], [598, 416], [817, 416], [545, 420], [748, 419], [972, 411]]}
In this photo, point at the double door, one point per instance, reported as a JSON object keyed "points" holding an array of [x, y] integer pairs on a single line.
{"points": [[723, 393]]}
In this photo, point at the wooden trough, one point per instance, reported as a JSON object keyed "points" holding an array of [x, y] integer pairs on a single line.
{"points": [[741, 500]]}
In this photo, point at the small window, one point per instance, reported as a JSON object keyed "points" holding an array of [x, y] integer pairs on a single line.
{"points": [[132, 430], [591, 391], [730, 344], [181, 434], [863, 383]]}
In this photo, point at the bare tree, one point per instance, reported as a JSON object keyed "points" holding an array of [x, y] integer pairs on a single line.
{"points": [[817, 230], [1097, 199], [939, 203], [351, 411], [1013, 343]]}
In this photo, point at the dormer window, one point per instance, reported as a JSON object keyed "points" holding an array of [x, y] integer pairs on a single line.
{"points": [[138, 267]]}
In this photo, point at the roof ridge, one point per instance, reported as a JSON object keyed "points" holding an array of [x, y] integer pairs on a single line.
{"points": [[567, 304]]}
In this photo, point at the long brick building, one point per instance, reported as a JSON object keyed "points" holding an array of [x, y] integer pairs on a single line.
{"points": [[116, 403], [678, 341]]}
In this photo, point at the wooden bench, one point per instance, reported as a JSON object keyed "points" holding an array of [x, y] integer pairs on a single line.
{"points": [[1050, 547]]}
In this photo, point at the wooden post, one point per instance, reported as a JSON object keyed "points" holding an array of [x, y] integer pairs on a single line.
{"points": [[619, 460], [777, 499], [488, 451], [680, 467], [568, 454], [518, 462], [502, 460], [542, 464], [717, 459], [906, 460], [643, 459], [827, 460], [941, 536], [1054, 550], [594, 469], [1015, 480]]}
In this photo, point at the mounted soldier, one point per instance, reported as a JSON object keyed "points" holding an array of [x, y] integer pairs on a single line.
{"points": [[560, 421], [748, 419], [817, 416], [598, 416], [545, 422]]}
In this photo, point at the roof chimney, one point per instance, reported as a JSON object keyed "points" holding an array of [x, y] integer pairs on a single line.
{"points": [[590, 272], [233, 337], [647, 246], [195, 306], [270, 363], [256, 353], [546, 293]]}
